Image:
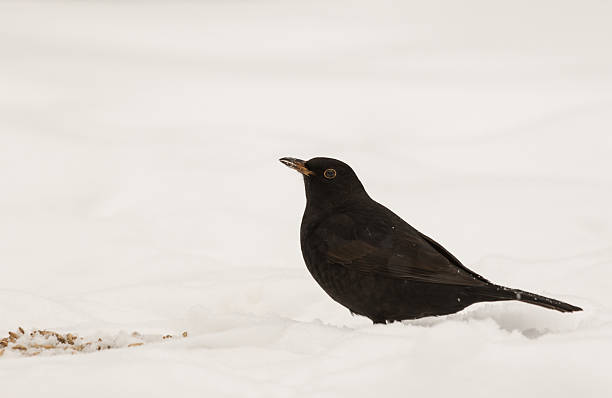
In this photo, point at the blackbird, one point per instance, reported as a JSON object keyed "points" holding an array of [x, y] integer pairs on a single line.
{"points": [[374, 263]]}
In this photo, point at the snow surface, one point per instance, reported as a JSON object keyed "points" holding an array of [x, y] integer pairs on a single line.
{"points": [[141, 191]]}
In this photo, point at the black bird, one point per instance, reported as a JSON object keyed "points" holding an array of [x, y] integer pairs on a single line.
{"points": [[374, 263]]}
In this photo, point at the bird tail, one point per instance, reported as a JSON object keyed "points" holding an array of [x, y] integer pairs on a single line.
{"points": [[501, 293]]}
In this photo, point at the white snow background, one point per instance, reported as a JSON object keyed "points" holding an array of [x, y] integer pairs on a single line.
{"points": [[141, 191]]}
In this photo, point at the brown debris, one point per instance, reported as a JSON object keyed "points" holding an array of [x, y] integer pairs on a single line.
{"points": [[71, 338], [57, 342]]}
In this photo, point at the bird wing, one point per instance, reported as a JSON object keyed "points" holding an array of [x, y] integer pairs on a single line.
{"points": [[380, 242]]}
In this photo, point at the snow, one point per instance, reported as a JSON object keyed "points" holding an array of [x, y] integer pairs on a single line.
{"points": [[142, 191]]}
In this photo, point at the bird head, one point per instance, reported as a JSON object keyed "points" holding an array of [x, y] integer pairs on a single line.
{"points": [[327, 180]]}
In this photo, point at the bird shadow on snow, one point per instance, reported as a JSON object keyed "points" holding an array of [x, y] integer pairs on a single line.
{"points": [[532, 323]]}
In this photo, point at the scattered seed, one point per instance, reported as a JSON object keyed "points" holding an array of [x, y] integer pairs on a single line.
{"points": [[68, 343]]}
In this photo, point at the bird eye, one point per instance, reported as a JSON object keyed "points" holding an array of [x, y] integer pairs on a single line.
{"points": [[330, 174]]}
